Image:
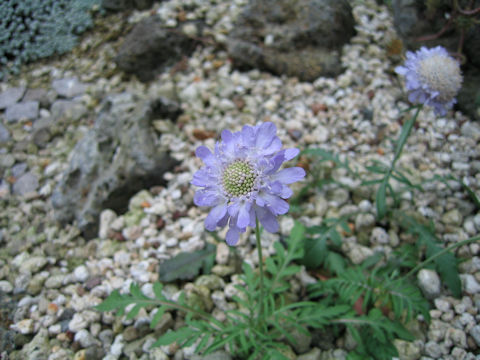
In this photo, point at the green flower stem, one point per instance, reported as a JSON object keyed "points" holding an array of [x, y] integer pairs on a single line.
{"points": [[260, 265], [382, 190], [406, 130], [440, 253]]}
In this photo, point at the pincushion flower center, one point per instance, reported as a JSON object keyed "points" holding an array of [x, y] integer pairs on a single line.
{"points": [[442, 74], [238, 178]]}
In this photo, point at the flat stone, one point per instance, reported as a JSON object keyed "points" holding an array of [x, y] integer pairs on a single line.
{"points": [[19, 169], [43, 96], [25, 184], [69, 87], [4, 134], [22, 111], [67, 109], [11, 96], [41, 133], [4, 189]]}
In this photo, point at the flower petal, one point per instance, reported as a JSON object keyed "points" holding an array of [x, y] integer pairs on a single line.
{"points": [[205, 154], [215, 215], [206, 198], [267, 219], [291, 153], [265, 135], [248, 136], [277, 205], [201, 178], [289, 175], [244, 215], [233, 234]]}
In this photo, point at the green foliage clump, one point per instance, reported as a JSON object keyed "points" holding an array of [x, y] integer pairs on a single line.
{"points": [[256, 328], [34, 29]]}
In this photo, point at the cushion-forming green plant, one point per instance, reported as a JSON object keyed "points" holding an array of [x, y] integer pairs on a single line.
{"points": [[34, 29]]}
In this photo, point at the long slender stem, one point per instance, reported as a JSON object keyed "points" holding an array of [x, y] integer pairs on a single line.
{"points": [[404, 135], [440, 253], [382, 190], [260, 266]]}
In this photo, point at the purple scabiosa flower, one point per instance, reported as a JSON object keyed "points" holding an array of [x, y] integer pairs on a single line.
{"points": [[433, 78], [241, 180]]}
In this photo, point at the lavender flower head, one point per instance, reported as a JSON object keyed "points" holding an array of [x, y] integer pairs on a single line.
{"points": [[242, 180], [432, 78]]}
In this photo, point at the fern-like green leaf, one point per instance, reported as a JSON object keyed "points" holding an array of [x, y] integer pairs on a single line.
{"points": [[171, 336], [446, 264]]}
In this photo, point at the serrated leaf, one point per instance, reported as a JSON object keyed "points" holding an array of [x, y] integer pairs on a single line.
{"points": [[156, 318], [315, 252], [172, 336], [134, 312], [271, 267], [186, 266], [291, 270], [381, 199], [157, 290], [114, 301], [335, 262]]}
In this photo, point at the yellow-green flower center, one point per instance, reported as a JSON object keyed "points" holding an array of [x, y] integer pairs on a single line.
{"points": [[238, 178]]}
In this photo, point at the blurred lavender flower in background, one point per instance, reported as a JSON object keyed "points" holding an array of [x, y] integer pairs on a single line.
{"points": [[433, 78], [242, 180]]}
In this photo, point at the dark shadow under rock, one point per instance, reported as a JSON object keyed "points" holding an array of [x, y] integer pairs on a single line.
{"points": [[301, 38], [118, 157], [150, 47]]}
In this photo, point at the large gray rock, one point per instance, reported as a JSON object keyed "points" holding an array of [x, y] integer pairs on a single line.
{"points": [[300, 38], [150, 48], [118, 157]]}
